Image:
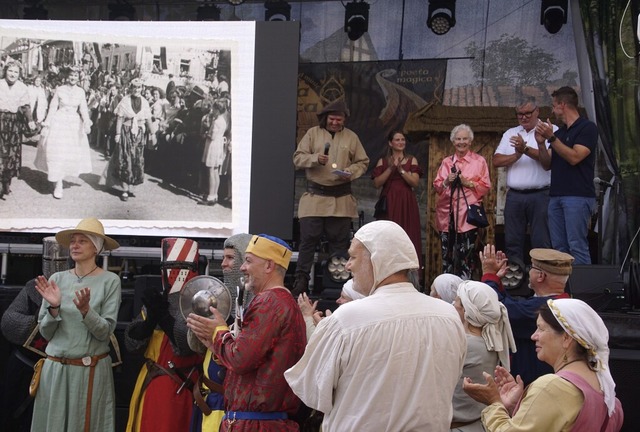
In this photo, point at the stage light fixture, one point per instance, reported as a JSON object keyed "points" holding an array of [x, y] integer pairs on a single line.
{"points": [[335, 273], [442, 16], [121, 10], [277, 10], [515, 276], [35, 11], [208, 12], [356, 19], [553, 14]]}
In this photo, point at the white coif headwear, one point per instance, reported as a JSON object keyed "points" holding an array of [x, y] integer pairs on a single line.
{"points": [[350, 292], [483, 309], [98, 242], [587, 328], [446, 286], [390, 247]]}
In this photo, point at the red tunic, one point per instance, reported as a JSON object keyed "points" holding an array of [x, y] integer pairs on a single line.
{"points": [[161, 408], [272, 340]]}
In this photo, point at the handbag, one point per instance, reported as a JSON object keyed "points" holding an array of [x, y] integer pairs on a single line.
{"points": [[380, 209], [476, 215], [35, 380]]}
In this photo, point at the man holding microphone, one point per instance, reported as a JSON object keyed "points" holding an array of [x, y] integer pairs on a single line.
{"points": [[332, 157]]}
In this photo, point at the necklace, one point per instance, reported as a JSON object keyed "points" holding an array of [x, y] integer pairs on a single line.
{"points": [[567, 364], [80, 278]]}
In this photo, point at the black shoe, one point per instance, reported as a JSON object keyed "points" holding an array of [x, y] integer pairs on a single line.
{"points": [[208, 203]]}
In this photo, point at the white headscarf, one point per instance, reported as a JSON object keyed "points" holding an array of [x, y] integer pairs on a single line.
{"points": [[97, 241], [483, 309], [585, 326], [390, 247], [350, 292], [446, 286]]}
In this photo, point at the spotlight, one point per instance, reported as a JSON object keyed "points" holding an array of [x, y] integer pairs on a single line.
{"points": [[35, 11], [121, 10], [277, 10], [335, 273], [442, 16], [208, 12], [356, 19], [515, 275], [553, 14], [516, 279]]}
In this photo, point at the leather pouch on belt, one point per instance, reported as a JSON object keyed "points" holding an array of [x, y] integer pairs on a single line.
{"points": [[35, 380]]}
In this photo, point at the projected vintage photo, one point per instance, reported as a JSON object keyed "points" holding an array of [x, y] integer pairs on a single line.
{"points": [[121, 128]]}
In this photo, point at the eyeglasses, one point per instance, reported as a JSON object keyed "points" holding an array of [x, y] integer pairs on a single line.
{"points": [[526, 114], [537, 268]]}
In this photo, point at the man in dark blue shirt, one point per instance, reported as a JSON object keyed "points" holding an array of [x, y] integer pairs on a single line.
{"points": [[571, 159]]}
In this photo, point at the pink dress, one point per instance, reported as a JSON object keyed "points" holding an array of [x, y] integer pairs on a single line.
{"points": [[594, 411]]}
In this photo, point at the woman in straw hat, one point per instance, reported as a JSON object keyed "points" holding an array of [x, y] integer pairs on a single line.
{"points": [[579, 396], [78, 314], [489, 339]]}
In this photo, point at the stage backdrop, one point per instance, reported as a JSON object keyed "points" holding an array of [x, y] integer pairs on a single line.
{"points": [[380, 96]]}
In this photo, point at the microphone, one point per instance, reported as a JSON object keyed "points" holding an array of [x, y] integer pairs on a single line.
{"points": [[602, 183], [326, 148]]}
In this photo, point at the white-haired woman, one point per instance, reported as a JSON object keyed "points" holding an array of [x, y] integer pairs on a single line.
{"points": [[462, 174], [578, 396], [489, 339]]}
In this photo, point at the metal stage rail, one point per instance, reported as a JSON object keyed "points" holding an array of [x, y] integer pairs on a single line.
{"points": [[122, 252]]}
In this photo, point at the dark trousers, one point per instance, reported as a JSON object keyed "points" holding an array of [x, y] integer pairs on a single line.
{"points": [[522, 210], [337, 231]]}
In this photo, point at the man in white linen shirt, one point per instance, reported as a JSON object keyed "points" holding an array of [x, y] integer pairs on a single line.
{"points": [[528, 183], [390, 361]]}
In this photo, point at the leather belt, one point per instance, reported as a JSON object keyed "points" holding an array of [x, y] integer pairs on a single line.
{"points": [[200, 393], [90, 362], [529, 191], [333, 191]]}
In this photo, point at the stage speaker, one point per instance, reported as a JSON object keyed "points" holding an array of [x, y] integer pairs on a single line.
{"points": [[600, 286], [624, 366]]}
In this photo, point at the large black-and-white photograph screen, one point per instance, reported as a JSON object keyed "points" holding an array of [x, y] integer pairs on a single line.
{"points": [[146, 127]]}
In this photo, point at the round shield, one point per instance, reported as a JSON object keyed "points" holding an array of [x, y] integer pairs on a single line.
{"points": [[201, 292]]}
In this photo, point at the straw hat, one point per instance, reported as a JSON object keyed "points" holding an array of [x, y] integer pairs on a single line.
{"points": [[87, 226]]}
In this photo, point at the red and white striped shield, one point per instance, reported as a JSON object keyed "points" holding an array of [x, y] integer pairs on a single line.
{"points": [[179, 263]]}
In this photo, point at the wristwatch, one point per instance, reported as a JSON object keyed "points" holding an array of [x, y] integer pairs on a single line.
{"points": [[552, 139]]}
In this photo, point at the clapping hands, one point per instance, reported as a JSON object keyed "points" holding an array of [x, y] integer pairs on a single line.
{"points": [[493, 261]]}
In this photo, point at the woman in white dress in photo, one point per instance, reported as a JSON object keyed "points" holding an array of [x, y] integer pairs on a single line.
{"points": [[64, 149]]}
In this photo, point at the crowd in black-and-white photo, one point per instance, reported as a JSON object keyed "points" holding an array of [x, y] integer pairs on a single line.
{"points": [[179, 132]]}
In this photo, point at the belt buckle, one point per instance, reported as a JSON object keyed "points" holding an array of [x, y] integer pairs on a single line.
{"points": [[86, 360]]}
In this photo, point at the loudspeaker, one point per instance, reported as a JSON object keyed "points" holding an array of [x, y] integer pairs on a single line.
{"points": [[600, 286], [624, 365]]}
